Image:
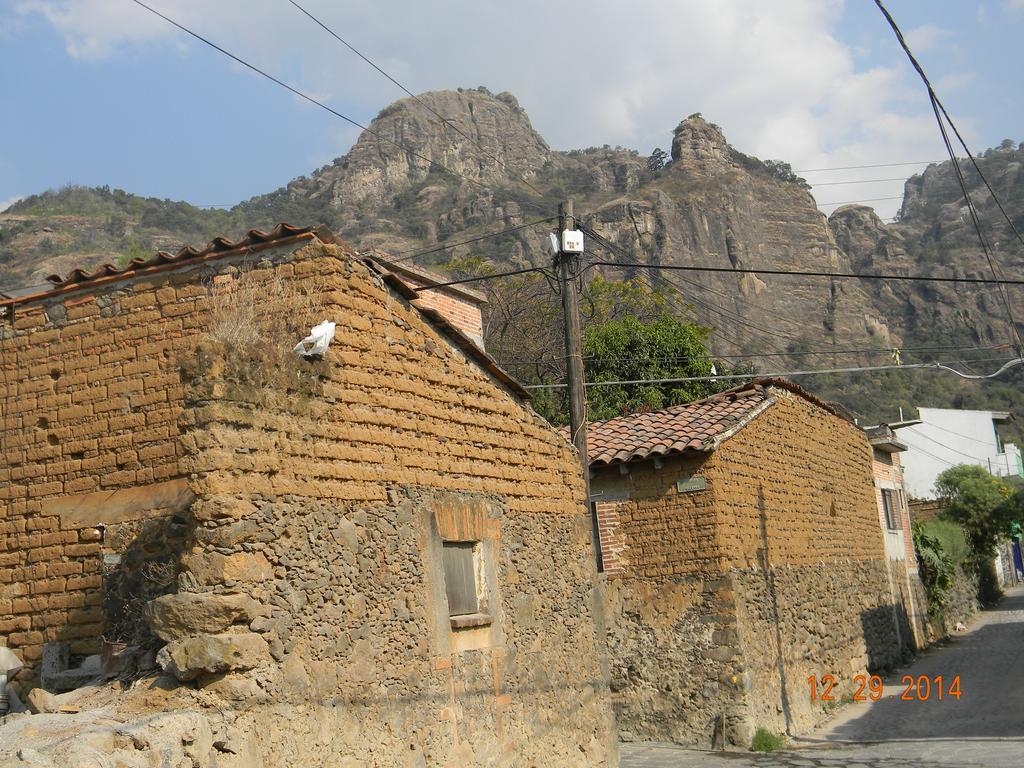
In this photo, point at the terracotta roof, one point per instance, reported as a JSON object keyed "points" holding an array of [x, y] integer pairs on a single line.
{"points": [[216, 247], [419, 276], [696, 426]]}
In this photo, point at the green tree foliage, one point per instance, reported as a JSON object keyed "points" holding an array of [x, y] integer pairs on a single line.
{"points": [[629, 332], [935, 566], [629, 349], [658, 160], [983, 505]]}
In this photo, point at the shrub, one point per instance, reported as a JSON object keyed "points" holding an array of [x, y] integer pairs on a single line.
{"points": [[934, 564], [766, 741]]}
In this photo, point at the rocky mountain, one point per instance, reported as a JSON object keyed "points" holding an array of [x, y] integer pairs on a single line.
{"points": [[416, 181]]}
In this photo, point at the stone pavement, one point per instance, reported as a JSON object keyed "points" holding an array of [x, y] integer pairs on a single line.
{"points": [[984, 728]]}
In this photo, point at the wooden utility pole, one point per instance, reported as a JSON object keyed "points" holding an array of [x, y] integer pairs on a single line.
{"points": [[568, 266]]}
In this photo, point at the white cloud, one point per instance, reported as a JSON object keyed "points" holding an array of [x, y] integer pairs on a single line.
{"points": [[774, 76], [954, 81], [924, 37]]}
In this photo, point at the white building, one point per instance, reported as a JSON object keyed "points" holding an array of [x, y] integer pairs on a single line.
{"points": [[944, 437]]}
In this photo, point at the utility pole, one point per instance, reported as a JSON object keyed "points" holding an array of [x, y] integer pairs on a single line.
{"points": [[567, 263]]}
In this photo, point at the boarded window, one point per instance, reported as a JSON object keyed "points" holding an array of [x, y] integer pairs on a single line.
{"points": [[460, 577], [890, 503]]}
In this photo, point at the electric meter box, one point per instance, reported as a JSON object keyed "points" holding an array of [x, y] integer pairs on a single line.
{"points": [[572, 241]]}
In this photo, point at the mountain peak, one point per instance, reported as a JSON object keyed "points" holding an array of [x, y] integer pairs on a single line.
{"points": [[473, 133], [697, 142]]}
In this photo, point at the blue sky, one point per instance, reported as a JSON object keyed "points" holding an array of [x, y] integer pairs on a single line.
{"points": [[100, 92]]}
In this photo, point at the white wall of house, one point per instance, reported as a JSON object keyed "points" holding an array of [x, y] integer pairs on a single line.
{"points": [[947, 437]]}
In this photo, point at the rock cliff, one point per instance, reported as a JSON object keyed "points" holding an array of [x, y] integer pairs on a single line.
{"points": [[710, 204]]}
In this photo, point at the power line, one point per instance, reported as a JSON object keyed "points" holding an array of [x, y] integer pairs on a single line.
{"points": [[855, 181], [710, 306], [445, 246], [876, 165], [444, 121], [779, 374], [940, 110], [862, 200], [308, 98], [477, 279], [809, 273], [720, 333], [957, 434], [783, 354], [936, 442]]}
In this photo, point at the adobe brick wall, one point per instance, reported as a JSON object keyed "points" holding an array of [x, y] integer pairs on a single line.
{"points": [[90, 398], [787, 532], [802, 533], [320, 493]]}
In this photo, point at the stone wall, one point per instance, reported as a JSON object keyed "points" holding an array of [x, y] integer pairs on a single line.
{"points": [[800, 523], [729, 597], [961, 601], [327, 504], [317, 497]]}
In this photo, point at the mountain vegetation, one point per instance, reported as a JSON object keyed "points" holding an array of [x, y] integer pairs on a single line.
{"points": [[698, 202]]}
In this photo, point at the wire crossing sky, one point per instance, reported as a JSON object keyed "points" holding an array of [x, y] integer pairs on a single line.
{"points": [[821, 84]]}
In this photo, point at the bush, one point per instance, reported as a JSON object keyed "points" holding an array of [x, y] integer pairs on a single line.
{"points": [[935, 565], [766, 741]]}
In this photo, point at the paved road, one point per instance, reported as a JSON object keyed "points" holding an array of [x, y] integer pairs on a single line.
{"points": [[984, 728]]}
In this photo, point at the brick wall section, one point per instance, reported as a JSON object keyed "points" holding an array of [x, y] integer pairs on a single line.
{"points": [[459, 311], [888, 469], [90, 399], [341, 490], [787, 532], [316, 503], [614, 555]]}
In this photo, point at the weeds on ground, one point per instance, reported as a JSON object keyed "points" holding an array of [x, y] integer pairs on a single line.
{"points": [[766, 741]]}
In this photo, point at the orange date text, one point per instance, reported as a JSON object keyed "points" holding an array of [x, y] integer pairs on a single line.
{"points": [[911, 688]]}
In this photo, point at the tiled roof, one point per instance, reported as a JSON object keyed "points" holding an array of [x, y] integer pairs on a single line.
{"points": [[690, 427], [218, 246]]}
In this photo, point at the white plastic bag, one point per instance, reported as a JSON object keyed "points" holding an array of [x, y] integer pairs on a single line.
{"points": [[315, 345]]}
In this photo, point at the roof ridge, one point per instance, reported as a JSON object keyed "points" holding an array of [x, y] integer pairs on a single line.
{"points": [[219, 244]]}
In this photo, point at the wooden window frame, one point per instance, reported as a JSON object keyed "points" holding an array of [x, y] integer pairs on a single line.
{"points": [[891, 508]]}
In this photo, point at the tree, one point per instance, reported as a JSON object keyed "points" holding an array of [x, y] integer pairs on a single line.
{"points": [[658, 160], [629, 332], [630, 349], [982, 504]]}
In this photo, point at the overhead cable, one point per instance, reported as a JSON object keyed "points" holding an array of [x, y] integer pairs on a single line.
{"points": [[875, 165], [809, 273], [862, 200], [412, 254], [308, 98], [477, 279], [940, 111], [685, 358], [779, 374]]}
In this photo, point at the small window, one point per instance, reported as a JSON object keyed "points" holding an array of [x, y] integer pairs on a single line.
{"points": [[460, 579], [890, 503]]}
